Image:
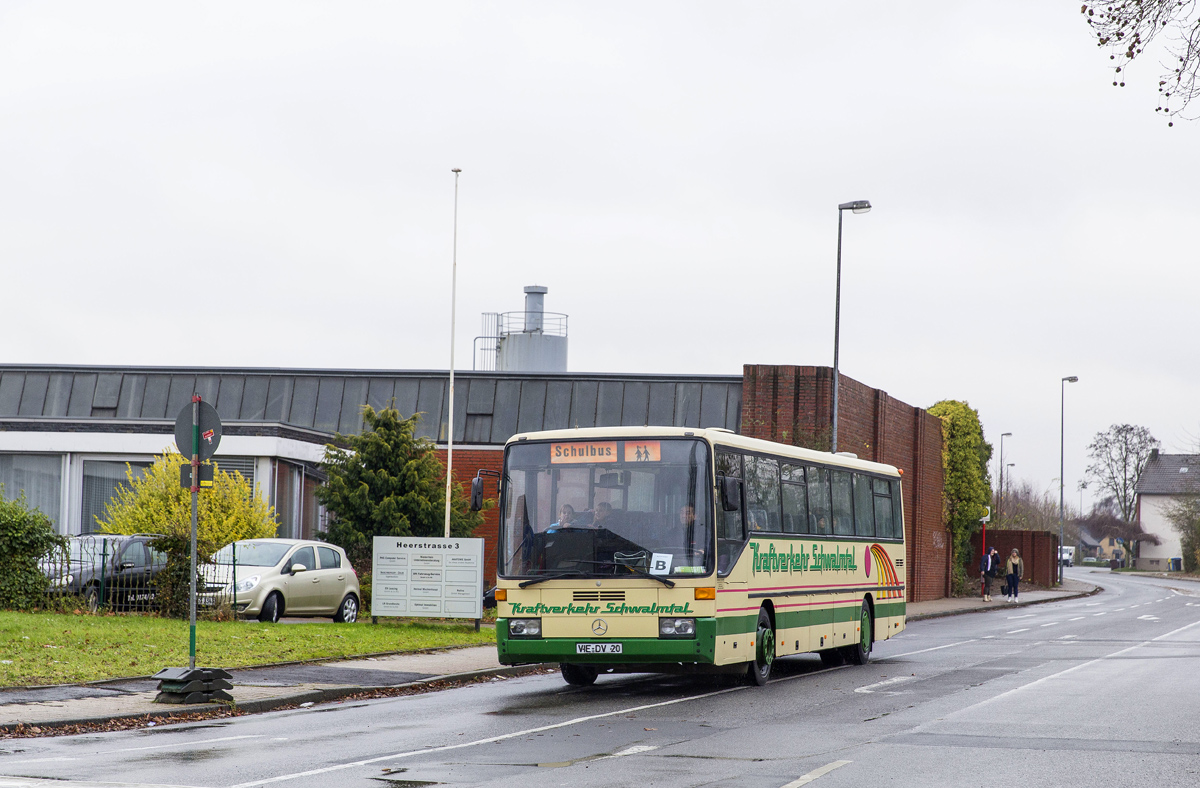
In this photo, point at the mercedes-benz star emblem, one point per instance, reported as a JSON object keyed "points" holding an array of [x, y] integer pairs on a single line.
{"points": [[599, 627]]}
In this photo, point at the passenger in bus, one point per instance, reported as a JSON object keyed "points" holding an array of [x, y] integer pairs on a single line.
{"points": [[566, 518], [605, 517]]}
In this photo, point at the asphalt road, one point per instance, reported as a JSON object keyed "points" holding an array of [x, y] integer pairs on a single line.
{"points": [[1099, 691]]}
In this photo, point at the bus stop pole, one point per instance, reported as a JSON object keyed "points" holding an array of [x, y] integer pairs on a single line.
{"points": [[195, 506]]}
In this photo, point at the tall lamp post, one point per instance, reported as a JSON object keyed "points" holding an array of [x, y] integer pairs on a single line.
{"points": [[450, 418], [1062, 439], [1000, 508], [857, 206]]}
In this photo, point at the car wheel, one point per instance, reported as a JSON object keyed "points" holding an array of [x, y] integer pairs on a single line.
{"points": [[348, 612], [272, 609], [764, 650], [578, 675], [860, 652], [91, 599]]}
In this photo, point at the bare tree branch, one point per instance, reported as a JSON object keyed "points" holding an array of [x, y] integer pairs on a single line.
{"points": [[1127, 27], [1118, 456]]}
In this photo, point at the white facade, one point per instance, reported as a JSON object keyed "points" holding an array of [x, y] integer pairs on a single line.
{"points": [[1157, 557]]}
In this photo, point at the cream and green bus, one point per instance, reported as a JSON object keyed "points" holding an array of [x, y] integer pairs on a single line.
{"points": [[692, 551]]}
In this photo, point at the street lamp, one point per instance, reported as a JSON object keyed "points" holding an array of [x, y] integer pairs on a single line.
{"points": [[1000, 508], [857, 206], [450, 417], [1010, 467], [1062, 433]]}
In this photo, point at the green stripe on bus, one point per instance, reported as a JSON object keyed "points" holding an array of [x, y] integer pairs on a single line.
{"points": [[518, 651], [884, 609]]}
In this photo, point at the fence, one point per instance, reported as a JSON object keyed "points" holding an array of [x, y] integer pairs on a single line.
{"points": [[126, 574]]}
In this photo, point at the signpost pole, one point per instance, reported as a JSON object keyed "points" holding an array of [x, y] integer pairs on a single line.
{"points": [[195, 507]]}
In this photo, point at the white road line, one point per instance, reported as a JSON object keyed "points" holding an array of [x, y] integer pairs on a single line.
{"points": [[1027, 615], [634, 750], [463, 745], [1101, 613], [137, 749], [1118, 610], [1015, 631], [1066, 637], [49, 782], [1077, 618], [935, 648], [987, 637], [886, 683], [815, 773], [1050, 624], [1080, 666]]}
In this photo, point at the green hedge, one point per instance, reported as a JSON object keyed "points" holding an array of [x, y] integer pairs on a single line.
{"points": [[26, 535]]}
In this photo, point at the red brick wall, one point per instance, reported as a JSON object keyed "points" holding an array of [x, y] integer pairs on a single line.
{"points": [[1038, 548], [467, 461], [794, 405]]}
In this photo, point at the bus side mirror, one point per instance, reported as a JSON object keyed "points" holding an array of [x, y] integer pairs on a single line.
{"points": [[476, 494], [731, 493]]}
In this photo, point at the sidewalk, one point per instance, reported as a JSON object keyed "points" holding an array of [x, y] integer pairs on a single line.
{"points": [[263, 689]]}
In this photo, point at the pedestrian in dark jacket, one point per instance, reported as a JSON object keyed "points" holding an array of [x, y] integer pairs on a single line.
{"points": [[989, 565]]}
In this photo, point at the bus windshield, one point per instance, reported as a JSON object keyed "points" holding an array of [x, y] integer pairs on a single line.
{"points": [[607, 508]]}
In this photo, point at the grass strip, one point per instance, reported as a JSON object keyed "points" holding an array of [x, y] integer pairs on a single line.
{"points": [[58, 648]]}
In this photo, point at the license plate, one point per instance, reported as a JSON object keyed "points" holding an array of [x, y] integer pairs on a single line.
{"points": [[597, 648]]}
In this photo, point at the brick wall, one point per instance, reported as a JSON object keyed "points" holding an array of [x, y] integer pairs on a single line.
{"points": [[1038, 548], [467, 461], [794, 405]]}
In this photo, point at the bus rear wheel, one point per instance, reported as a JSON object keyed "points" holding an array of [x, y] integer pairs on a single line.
{"points": [[578, 675], [764, 650], [860, 652]]}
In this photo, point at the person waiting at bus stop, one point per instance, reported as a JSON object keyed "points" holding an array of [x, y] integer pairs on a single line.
{"points": [[1013, 570], [989, 566]]}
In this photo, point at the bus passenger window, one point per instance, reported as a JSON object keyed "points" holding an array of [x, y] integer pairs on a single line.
{"points": [[864, 507], [818, 501], [843, 505]]}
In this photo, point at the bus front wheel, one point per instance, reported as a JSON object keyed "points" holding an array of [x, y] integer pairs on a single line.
{"points": [[764, 650], [860, 652], [578, 675]]}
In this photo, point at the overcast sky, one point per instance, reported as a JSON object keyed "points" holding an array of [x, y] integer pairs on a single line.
{"points": [[280, 173]]}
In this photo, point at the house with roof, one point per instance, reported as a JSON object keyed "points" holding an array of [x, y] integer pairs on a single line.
{"points": [[1166, 478]]}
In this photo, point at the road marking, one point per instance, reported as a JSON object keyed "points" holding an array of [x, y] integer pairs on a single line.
{"points": [[987, 637], [50, 782], [1077, 618], [1015, 631], [463, 745], [1080, 666], [1147, 618], [1051, 624], [935, 648], [184, 743], [1066, 637], [815, 773], [38, 760], [872, 687], [1027, 615], [634, 750], [1101, 613], [1118, 610]]}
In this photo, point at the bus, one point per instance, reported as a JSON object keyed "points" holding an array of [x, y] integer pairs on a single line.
{"points": [[673, 550]]}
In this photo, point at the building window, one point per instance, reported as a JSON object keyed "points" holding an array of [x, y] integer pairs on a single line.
{"points": [[38, 477], [100, 482]]}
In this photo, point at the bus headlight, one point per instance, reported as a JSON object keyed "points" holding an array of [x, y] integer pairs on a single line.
{"points": [[525, 627], [677, 627]]}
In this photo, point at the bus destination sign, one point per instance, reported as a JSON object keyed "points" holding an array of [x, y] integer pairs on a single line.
{"points": [[593, 451]]}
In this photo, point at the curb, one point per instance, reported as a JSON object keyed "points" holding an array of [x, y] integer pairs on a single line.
{"points": [[269, 704], [313, 661], [964, 611]]}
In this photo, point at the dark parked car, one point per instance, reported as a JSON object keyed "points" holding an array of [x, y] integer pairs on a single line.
{"points": [[117, 571]]}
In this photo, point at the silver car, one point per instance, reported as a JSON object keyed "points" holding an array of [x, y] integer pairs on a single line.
{"points": [[271, 578]]}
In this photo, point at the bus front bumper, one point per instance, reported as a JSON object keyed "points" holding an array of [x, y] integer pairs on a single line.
{"points": [[641, 651]]}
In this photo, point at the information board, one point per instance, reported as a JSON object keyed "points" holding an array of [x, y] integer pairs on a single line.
{"points": [[427, 576]]}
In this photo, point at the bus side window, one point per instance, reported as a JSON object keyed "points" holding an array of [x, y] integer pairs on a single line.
{"points": [[864, 506], [731, 525], [818, 501]]}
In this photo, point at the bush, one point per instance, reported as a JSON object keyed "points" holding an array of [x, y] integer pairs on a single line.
{"points": [[155, 503], [26, 536]]}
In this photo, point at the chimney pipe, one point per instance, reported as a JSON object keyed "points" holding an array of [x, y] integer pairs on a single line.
{"points": [[534, 303]]}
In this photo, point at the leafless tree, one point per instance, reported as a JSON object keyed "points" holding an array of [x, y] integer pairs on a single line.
{"points": [[1105, 520], [1127, 27], [1118, 456]]}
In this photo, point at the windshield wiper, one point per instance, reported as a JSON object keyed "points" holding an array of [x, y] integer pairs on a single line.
{"points": [[559, 576]]}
